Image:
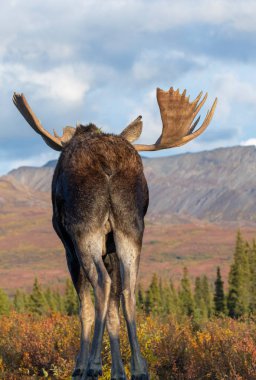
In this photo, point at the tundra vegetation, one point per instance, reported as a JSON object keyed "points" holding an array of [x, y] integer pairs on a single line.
{"points": [[193, 330]]}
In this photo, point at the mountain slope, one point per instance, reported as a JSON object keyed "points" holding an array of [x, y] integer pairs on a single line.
{"points": [[217, 185]]}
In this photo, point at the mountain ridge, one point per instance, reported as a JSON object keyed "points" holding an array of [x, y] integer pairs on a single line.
{"points": [[197, 203], [215, 185]]}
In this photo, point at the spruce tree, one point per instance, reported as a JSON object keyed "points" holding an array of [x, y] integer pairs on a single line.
{"points": [[203, 299], [207, 294], [238, 300], [50, 300], [20, 301], [252, 263], [70, 299], [219, 296], [185, 295], [140, 298], [172, 299], [161, 300], [153, 296], [169, 299], [37, 303], [5, 303], [198, 297], [200, 308], [163, 308], [59, 301]]}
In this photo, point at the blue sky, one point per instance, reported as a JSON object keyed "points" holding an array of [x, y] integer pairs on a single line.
{"points": [[101, 61]]}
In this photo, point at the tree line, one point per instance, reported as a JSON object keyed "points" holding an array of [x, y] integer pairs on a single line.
{"points": [[200, 300], [41, 301], [204, 299]]}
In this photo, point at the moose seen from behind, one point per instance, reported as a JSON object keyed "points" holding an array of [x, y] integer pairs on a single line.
{"points": [[100, 198]]}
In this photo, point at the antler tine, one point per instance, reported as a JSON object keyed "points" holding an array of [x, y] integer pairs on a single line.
{"points": [[177, 115], [200, 105], [56, 134], [67, 134], [203, 127], [21, 103], [194, 125], [184, 93], [197, 98]]}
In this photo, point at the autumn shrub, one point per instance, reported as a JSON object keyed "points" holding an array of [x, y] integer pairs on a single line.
{"points": [[37, 346], [46, 346], [221, 349], [174, 350], [226, 349]]}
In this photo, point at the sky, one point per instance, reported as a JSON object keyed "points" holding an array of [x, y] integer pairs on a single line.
{"points": [[101, 61]]}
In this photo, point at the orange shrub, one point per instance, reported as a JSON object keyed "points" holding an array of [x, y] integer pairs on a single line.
{"points": [[45, 347], [174, 351], [31, 345], [226, 348], [221, 349]]}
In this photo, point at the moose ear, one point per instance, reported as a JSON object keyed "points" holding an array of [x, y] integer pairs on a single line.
{"points": [[133, 131]]}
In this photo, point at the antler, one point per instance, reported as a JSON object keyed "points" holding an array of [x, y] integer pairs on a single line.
{"points": [[177, 115], [55, 142]]}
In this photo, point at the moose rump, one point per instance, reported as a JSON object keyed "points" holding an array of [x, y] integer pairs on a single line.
{"points": [[100, 197]]}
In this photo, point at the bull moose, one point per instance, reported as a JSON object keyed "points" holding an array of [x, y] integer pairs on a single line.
{"points": [[99, 199]]}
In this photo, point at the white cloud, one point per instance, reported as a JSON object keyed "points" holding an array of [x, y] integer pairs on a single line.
{"points": [[64, 83], [162, 15], [235, 89], [249, 142], [151, 64], [49, 21]]}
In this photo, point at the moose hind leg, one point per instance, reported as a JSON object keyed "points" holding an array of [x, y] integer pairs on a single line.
{"points": [[128, 251], [113, 319], [86, 309], [89, 253], [86, 314]]}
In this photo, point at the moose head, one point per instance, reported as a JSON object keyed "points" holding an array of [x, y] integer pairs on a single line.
{"points": [[100, 198]]}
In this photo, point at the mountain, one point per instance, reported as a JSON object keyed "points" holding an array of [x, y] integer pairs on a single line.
{"points": [[36, 178], [217, 185], [197, 203]]}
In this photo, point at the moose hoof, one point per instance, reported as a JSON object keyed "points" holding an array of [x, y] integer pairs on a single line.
{"points": [[93, 374], [77, 373], [140, 377]]}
